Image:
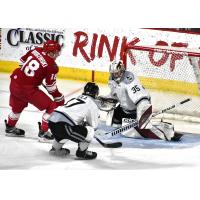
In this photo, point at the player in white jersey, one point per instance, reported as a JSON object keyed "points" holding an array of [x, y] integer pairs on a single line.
{"points": [[76, 121], [135, 103], [132, 96]]}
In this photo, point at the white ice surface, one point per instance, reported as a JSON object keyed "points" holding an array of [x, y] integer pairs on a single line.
{"points": [[22, 153]]}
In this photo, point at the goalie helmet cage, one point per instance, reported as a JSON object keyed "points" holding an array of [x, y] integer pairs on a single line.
{"points": [[170, 76]]}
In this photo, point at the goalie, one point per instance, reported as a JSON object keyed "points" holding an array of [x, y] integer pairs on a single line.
{"points": [[134, 102]]}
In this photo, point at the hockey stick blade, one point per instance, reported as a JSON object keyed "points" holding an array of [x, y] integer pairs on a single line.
{"points": [[109, 145]]}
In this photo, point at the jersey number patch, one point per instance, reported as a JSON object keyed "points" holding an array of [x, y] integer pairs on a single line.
{"points": [[135, 89], [30, 66]]}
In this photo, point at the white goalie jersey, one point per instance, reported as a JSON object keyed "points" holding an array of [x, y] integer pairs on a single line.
{"points": [[80, 109], [129, 92]]}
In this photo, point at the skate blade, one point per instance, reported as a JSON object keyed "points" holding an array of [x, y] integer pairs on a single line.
{"points": [[44, 140], [13, 135], [59, 155], [78, 158]]}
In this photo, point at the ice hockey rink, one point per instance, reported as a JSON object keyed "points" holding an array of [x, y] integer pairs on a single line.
{"points": [[135, 154]]}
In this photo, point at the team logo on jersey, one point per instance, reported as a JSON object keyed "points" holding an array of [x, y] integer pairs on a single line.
{"points": [[129, 79]]}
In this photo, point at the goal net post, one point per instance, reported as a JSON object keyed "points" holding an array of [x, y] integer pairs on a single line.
{"points": [[173, 72]]}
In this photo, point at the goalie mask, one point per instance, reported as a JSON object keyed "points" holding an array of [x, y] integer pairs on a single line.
{"points": [[117, 70], [91, 89]]}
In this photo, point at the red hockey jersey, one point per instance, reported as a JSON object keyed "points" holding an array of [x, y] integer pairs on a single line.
{"points": [[35, 67]]}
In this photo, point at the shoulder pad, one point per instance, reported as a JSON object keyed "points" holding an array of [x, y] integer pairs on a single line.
{"points": [[128, 77]]}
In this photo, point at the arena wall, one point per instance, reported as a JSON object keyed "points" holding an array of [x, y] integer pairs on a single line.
{"points": [[86, 53]]}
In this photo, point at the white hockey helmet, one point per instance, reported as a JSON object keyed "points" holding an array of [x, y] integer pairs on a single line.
{"points": [[117, 70]]}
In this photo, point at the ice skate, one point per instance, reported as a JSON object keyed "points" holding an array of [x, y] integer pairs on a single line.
{"points": [[44, 136], [59, 152], [12, 131], [86, 155]]}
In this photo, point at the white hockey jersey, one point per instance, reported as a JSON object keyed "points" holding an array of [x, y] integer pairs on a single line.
{"points": [[129, 92], [76, 111]]}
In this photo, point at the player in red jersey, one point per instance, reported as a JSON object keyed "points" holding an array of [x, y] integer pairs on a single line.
{"points": [[36, 65]]}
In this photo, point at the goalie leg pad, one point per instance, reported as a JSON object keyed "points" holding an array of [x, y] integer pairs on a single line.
{"points": [[144, 111], [148, 133], [132, 132], [141, 133], [162, 130], [158, 130]]}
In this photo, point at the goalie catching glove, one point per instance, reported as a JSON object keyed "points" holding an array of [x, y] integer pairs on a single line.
{"points": [[107, 100], [106, 104]]}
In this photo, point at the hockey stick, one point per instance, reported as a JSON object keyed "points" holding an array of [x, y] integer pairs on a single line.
{"points": [[171, 107], [135, 123], [108, 145], [120, 130], [164, 110]]}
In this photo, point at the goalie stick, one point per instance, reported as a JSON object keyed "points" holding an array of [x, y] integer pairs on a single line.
{"points": [[171, 107], [120, 130], [166, 109], [135, 123]]}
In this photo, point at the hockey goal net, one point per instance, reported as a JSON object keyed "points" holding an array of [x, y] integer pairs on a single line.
{"points": [[170, 74]]}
